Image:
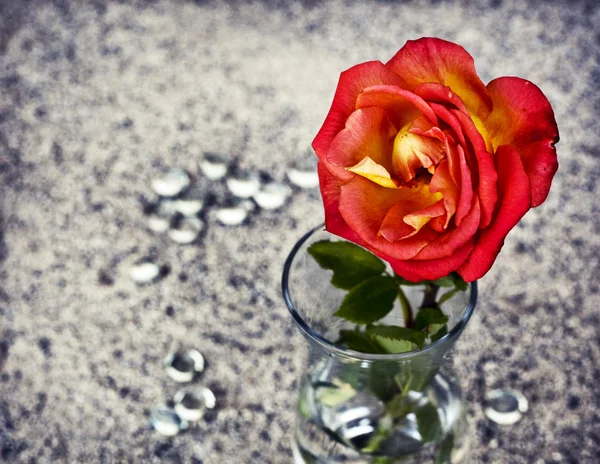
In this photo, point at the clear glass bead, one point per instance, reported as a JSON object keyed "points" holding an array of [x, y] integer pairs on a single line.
{"points": [[183, 365], [505, 407], [191, 403]]}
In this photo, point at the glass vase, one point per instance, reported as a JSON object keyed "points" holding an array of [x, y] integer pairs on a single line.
{"points": [[355, 407]]}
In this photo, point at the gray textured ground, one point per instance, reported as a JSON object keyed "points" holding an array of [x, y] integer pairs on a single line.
{"points": [[96, 97]]}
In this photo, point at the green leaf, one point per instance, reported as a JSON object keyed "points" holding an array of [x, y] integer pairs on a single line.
{"points": [[431, 320], [350, 263], [445, 451], [351, 374], [381, 379], [406, 307], [459, 283], [303, 404], [440, 333], [446, 296], [369, 301], [447, 281], [403, 281], [338, 393], [359, 341], [382, 434], [398, 407], [459, 286], [394, 346], [412, 379], [428, 422], [404, 379], [383, 460], [452, 280], [398, 334]]}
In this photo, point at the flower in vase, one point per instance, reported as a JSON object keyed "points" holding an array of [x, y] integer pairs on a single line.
{"points": [[427, 167]]}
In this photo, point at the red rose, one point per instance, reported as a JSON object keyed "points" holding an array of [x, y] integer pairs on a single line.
{"points": [[427, 167]]}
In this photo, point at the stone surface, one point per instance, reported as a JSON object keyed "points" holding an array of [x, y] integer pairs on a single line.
{"points": [[98, 98]]}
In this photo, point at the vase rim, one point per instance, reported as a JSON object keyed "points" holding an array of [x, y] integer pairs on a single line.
{"points": [[450, 337]]}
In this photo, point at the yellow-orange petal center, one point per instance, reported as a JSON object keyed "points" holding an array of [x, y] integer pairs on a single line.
{"points": [[408, 216], [483, 131], [374, 172], [416, 146]]}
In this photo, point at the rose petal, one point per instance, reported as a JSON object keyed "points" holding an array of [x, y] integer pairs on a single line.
{"points": [[363, 205], [485, 175], [450, 241], [407, 217], [330, 192], [445, 115], [369, 169], [486, 172], [367, 133], [442, 182], [436, 151], [480, 126], [422, 127], [434, 92], [466, 186], [414, 148], [432, 269], [522, 117], [470, 130], [402, 106], [352, 82], [514, 201], [435, 60], [419, 218], [487, 191], [439, 224]]}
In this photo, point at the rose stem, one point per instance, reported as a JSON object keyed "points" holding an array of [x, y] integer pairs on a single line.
{"points": [[430, 296]]}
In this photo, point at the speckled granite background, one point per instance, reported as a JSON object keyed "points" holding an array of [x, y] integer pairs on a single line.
{"points": [[96, 97]]}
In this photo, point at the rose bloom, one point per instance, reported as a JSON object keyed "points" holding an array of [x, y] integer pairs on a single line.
{"points": [[429, 168]]}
